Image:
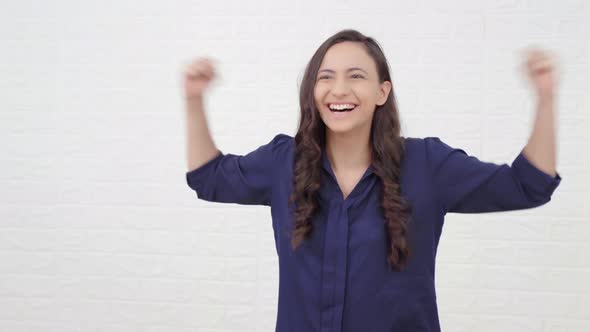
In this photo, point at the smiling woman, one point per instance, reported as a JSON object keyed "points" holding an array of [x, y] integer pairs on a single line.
{"points": [[357, 209], [348, 75], [350, 69]]}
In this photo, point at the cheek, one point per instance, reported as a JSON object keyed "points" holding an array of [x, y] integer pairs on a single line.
{"points": [[318, 96], [317, 91], [365, 92]]}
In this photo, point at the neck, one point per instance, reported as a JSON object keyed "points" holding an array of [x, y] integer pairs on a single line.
{"points": [[348, 151]]}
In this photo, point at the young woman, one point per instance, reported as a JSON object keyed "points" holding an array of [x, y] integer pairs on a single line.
{"points": [[357, 209]]}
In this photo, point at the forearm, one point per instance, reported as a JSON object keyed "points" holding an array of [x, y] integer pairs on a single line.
{"points": [[541, 147], [199, 144]]}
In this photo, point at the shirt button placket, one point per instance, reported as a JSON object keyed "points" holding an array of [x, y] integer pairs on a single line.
{"points": [[334, 267]]}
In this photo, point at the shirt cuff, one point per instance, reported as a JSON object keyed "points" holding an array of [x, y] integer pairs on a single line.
{"points": [[535, 178], [202, 173]]}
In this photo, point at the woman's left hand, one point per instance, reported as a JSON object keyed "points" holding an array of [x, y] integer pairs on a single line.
{"points": [[541, 69]]}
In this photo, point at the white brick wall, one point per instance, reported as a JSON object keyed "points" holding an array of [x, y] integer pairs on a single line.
{"points": [[99, 231]]}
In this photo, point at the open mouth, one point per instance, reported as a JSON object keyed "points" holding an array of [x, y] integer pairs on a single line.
{"points": [[343, 110]]}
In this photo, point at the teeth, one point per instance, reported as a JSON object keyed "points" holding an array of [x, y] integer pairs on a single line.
{"points": [[341, 106]]}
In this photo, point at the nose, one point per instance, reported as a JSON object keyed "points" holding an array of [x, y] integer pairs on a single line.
{"points": [[340, 87]]}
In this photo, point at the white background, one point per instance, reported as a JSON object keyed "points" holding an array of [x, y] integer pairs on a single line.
{"points": [[100, 232]]}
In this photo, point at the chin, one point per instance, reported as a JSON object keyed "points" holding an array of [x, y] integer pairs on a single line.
{"points": [[339, 128]]}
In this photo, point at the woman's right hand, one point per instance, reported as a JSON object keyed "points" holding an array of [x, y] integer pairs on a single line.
{"points": [[197, 77]]}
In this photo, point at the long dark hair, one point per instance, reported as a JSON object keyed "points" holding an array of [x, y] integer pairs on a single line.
{"points": [[387, 152]]}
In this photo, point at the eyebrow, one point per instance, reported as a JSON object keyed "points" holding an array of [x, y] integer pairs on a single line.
{"points": [[348, 70]]}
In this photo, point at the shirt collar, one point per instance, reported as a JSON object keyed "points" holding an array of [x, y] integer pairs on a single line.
{"points": [[326, 165]]}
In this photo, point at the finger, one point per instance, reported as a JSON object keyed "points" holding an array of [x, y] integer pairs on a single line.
{"points": [[208, 72], [192, 70], [205, 73], [201, 69], [195, 73], [208, 67], [193, 67], [546, 62], [541, 63]]}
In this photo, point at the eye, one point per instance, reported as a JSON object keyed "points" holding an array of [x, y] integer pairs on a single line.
{"points": [[353, 76]]}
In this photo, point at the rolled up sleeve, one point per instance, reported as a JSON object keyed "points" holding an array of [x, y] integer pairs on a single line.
{"points": [[464, 184], [241, 179]]}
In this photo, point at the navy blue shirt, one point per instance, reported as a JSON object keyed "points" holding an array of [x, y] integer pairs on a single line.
{"points": [[339, 279]]}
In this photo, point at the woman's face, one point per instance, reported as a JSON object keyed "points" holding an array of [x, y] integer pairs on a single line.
{"points": [[348, 75]]}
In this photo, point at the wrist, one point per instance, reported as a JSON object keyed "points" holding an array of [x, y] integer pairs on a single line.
{"points": [[545, 97]]}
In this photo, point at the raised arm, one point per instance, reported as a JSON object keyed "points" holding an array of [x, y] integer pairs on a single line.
{"points": [[541, 148], [464, 184], [213, 175], [242, 179], [200, 147]]}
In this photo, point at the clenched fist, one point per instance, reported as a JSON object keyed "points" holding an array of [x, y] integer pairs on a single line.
{"points": [[197, 77], [540, 67]]}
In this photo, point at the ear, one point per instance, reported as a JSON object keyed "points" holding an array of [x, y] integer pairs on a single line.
{"points": [[385, 88]]}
